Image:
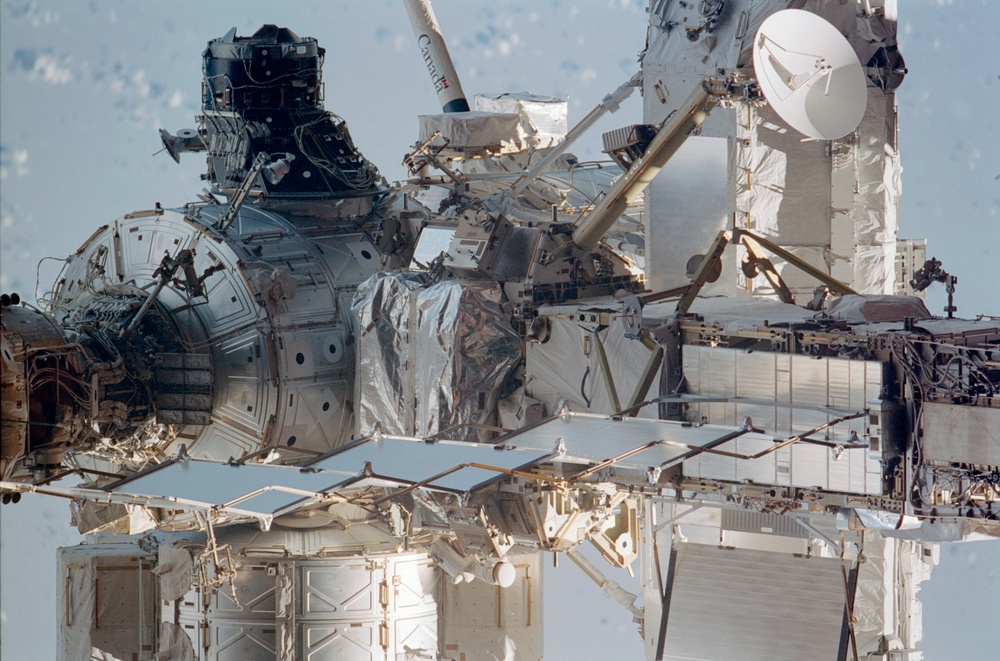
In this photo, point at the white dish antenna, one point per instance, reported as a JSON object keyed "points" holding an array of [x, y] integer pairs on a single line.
{"points": [[809, 74]]}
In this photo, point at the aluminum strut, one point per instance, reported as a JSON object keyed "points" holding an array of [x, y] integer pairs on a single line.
{"points": [[240, 196]]}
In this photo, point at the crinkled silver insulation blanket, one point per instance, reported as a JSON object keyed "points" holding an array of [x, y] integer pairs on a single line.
{"points": [[544, 119], [498, 132], [431, 357]]}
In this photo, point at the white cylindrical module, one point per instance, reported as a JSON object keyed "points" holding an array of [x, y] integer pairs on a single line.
{"points": [[320, 594], [368, 607], [314, 605], [355, 607], [273, 322], [435, 56]]}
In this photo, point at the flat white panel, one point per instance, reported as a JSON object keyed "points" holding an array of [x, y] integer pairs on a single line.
{"points": [[223, 439], [341, 641], [229, 302], [343, 264], [415, 633], [479, 616], [859, 470], [873, 477], [412, 460], [809, 381], [316, 418], [803, 384], [691, 361], [839, 374], [719, 413], [760, 471], [244, 396], [783, 466], [144, 242], [414, 584], [719, 371], [872, 474], [596, 438], [859, 385], [804, 420], [859, 396], [249, 641], [756, 374], [763, 416], [687, 204], [212, 484], [254, 594], [711, 466], [839, 469], [341, 591], [809, 467], [873, 376], [783, 391]]}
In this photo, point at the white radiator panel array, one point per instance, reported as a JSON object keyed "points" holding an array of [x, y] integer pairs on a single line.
{"points": [[785, 395]]}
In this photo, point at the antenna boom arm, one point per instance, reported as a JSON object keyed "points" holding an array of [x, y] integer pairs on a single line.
{"points": [[591, 228]]}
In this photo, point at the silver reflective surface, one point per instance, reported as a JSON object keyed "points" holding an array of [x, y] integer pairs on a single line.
{"points": [[743, 603], [412, 460], [596, 438], [431, 357], [214, 484]]}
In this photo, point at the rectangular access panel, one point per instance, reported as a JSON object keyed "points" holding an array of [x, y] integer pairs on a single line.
{"points": [[955, 434]]}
